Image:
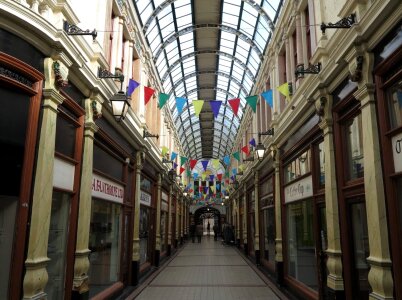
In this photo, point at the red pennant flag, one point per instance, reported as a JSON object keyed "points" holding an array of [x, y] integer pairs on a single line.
{"points": [[227, 181], [234, 103], [148, 92], [182, 170], [245, 149], [193, 162], [200, 189], [219, 176]]}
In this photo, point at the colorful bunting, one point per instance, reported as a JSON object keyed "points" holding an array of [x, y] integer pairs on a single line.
{"points": [[212, 188], [211, 177], [218, 186], [132, 85], [195, 176], [193, 162], [284, 90], [203, 176], [226, 160], [182, 160], [148, 92], [215, 163], [227, 173], [268, 97], [252, 142], [164, 150], [234, 171], [234, 103], [180, 104], [219, 176], [173, 156], [198, 104], [236, 155], [188, 173], [205, 164], [182, 170], [215, 106], [252, 101], [163, 98], [206, 189], [246, 150], [241, 167], [175, 165]]}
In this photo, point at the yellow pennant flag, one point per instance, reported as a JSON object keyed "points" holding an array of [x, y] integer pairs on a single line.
{"points": [[212, 188], [198, 104], [284, 90], [241, 167], [215, 163], [164, 150], [203, 176]]}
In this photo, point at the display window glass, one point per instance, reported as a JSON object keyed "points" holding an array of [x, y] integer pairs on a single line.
{"points": [[269, 229], [163, 227], [301, 243], [144, 233], [321, 163], [354, 147], [104, 243], [298, 167]]}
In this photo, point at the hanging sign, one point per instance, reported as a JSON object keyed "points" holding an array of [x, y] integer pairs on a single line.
{"points": [[106, 189], [145, 199], [164, 204], [63, 174], [299, 190]]}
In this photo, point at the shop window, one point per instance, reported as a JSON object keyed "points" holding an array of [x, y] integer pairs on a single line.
{"points": [[144, 233], [65, 134], [107, 163], [321, 163], [269, 228], [163, 227], [57, 245], [394, 99], [300, 243], [354, 147], [104, 243], [298, 167]]}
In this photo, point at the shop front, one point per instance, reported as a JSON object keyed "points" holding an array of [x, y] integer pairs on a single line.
{"points": [[250, 202], [164, 223]]}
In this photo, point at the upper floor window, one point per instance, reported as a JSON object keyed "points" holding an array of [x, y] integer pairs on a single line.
{"points": [[354, 147], [298, 166]]}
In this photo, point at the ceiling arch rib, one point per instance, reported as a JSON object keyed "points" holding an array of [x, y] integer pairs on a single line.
{"points": [[200, 52], [222, 27], [166, 3]]}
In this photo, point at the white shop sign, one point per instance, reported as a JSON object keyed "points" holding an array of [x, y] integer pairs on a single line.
{"points": [[106, 189], [164, 206], [145, 199], [165, 197], [397, 151], [299, 190], [63, 176]]}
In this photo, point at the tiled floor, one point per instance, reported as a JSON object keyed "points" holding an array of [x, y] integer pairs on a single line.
{"points": [[208, 270]]}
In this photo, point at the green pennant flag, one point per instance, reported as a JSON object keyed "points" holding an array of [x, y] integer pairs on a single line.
{"points": [[236, 155], [188, 173], [198, 104], [182, 160], [227, 173], [163, 98], [252, 101]]}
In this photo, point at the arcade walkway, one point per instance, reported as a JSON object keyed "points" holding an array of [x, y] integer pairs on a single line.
{"points": [[208, 270]]}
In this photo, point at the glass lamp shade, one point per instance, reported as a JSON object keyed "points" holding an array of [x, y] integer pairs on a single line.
{"points": [[185, 194], [120, 105], [260, 151], [226, 197]]}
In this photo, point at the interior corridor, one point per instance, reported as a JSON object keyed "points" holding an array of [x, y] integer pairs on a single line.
{"points": [[210, 270]]}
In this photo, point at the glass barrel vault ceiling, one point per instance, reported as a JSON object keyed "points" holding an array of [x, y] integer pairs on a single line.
{"points": [[244, 31]]}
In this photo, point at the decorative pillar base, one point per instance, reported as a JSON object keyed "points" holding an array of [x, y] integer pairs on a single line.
{"points": [[75, 295], [333, 294], [169, 250], [279, 272], [257, 257], [135, 272], [245, 249], [157, 257]]}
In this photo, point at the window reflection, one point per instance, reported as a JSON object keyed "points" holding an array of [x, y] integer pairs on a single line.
{"points": [[298, 167], [321, 154], [395, 105], [354, 144]]}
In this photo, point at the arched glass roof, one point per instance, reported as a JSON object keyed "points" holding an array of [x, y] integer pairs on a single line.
{"points": [[175, 32]]}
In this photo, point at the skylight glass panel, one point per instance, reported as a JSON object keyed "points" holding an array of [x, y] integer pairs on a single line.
{"points": [[247, 27], [155, 43], [270, 7]]}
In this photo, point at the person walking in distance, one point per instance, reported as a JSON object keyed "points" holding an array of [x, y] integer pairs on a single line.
{"points": [[199, 231], [208, 228], [215, 228]]}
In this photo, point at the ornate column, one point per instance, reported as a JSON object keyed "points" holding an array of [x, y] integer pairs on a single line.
{"points": [[334, 252], [169, 246], [158, 220], [278, 218], [81, 264], [380, 274], [245, 220], [257, 218], [36, 276], [135, 261]]}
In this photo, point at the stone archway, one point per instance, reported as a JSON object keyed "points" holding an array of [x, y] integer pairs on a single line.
{"points": [[208, 212]]}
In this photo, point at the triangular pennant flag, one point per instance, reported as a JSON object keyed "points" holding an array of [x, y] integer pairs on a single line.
{"points": [[252, 142], [182, 170], [182, 160], [211, 177], [234, 104], [132, 85], [236, 155], [252, 101], [173, 156], [203, 176], [234, 171], [195, 175], [200, 188], [246, 149], [218, 186], [206, 189], [180, 104], [148, 92], [227, 181], [175, 165], [219, 176], [188, 173], [193, 162], [284, 89], [198, 104], [205, 164], [268, 97], [215, 163], [164, 150], [232, 177], [163, 98], [241, 167], [226, 160], [215, 106], [227, 173], [212, 188]]}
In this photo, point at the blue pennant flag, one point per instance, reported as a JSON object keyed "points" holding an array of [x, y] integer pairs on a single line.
{"points": [[180, 104], [226, 160], [268, 97], [132, 85]]}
